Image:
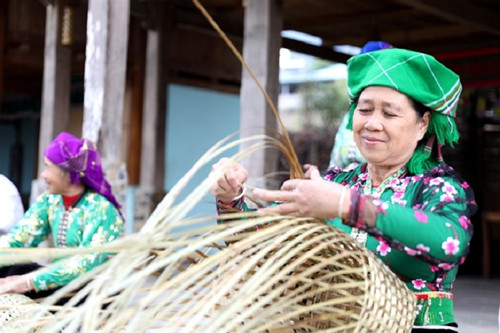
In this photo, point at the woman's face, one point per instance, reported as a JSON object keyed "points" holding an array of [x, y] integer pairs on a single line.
{"points": [[386, 126], [56, 179]]}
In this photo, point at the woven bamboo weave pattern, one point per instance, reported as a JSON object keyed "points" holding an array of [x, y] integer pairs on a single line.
{"points": [[287, 275], [16, 310], [303, 277]]}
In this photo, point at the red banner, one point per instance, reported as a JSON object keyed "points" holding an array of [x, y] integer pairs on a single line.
{"points": [[477, 68]]}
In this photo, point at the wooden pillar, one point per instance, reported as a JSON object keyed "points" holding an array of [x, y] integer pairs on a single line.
{"points": [[56, 87], [261, 46], [152, 174], [56, 81], [154, 110], [137, 47], [105, 69], [105, 72]]}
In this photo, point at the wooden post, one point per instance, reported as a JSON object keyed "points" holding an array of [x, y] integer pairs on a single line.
{"points": [[136, 86], [154, 110], [105, 71], [56, 88], [152, 175], [261, 46], [96, 55], [56, 81]]}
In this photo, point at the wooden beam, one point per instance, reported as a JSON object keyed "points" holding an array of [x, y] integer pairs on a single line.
{"points": [[429, 34], [195, 48], [462, 12], [326, 53], [207, 83], [335, 19], [47, 2], [262, 42], [136, 85], [407, 36], [26, 60], [56, 81], [144, 11], [155, 103], [189, 19]]}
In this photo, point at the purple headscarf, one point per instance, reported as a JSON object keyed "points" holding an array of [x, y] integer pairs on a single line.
{"points": [[82, 160]]}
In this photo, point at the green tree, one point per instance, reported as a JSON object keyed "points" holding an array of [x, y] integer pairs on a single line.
{"points": [[324, 102]]}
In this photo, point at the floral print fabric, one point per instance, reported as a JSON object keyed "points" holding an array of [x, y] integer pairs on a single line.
{"points": [[422, 229], [94, 221], [425, 216]]}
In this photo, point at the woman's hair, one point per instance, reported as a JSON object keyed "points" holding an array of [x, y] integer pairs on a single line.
{"points": [[419, 107], [62, 172], [422, 159]]}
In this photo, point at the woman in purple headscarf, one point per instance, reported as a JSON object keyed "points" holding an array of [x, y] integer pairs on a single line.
{"points": [[78, 210]]}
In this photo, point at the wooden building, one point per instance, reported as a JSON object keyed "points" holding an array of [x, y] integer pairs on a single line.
{"points": [[111, 70]]}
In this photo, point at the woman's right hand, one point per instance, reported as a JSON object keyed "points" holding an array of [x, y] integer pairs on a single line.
{"points": [[230, 184]]}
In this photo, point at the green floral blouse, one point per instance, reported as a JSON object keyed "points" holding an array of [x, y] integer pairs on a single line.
{"points": [[93, 221], [422, 230]]}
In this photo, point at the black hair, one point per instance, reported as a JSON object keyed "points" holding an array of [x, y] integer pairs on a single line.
{"points": [[419, 107]]}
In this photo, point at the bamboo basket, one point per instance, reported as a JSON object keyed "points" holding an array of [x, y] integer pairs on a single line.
{"points": [[16, 310], [302, 276], [293, 275]]}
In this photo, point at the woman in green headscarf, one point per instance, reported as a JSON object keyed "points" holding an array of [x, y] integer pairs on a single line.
{"points": [[404, 204]]}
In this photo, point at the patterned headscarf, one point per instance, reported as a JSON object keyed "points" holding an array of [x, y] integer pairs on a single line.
{"points": [[82, 160], [419, 76]]}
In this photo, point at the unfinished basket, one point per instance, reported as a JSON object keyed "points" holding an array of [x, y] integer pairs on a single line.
{"points": [[293, 275], [16, 310], [297, 276]]}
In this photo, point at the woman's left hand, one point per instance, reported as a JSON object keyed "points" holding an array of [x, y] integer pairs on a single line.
{"points": [[314, 197], [15, 284]]}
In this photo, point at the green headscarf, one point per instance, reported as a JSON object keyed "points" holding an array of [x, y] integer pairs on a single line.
{"points": [[421, 77]]}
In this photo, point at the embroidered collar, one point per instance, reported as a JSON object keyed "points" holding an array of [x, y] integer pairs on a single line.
{"points": [[394, 182]]}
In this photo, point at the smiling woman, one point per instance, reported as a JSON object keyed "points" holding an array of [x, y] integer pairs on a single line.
{"points": [[387, 128], [404, 204], [57, 179], [77, 210]]}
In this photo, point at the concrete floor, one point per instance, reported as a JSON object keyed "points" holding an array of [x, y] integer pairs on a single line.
{"points": [[477, 304]]}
